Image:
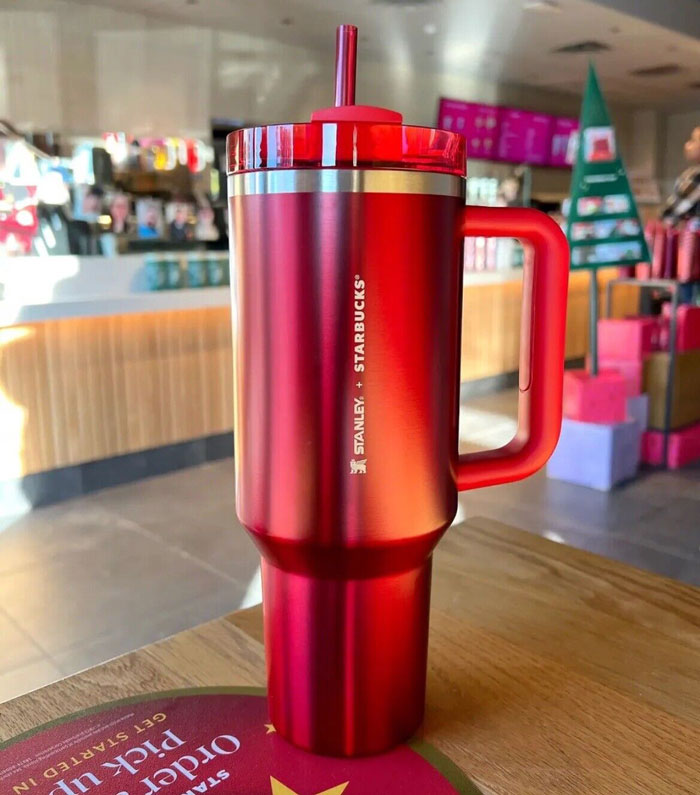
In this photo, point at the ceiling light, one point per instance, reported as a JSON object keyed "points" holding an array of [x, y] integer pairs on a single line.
{"points": [[548, 6], [582, 47], [408, 4], [662, 70], [430, 28]]}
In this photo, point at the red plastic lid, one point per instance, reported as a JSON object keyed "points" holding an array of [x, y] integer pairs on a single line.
{"points": [[346, 145], [347, 135]]}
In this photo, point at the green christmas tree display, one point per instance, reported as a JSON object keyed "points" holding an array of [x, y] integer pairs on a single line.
{"points": [[604, 227]]}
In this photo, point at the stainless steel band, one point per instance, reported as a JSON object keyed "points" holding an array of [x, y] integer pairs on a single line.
{"points": [[331, 180]]}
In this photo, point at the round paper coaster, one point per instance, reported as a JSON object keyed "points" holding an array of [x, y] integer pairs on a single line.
{"points": [[209, 740]]}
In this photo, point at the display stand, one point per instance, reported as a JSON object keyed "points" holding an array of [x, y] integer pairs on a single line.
{"points": [[603, 224], [593, 313], [671, 286]]}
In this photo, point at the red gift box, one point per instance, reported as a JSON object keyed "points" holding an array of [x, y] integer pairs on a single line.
{"points": [[595, 398], [683, 446], [688, 268], [658, 234], [687, 326]]}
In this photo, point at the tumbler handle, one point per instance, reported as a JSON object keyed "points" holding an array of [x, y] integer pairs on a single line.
{"points": [[543, 329]]}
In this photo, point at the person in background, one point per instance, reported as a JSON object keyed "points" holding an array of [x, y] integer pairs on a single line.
{"points": [[180, 228], [684, 203], [511, 189], [148, 213], [91, 203], [206, 228], [120, 210]]}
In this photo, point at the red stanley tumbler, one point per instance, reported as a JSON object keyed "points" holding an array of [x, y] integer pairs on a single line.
{"points": [[346, 247]]}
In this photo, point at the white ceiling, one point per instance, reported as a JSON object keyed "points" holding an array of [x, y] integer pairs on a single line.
{"points": [[496, 40]]}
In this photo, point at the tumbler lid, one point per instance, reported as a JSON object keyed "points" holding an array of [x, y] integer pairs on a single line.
{"points": [[347, 135]]}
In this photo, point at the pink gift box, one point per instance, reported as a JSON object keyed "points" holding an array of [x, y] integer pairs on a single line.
{"points": [[589, 398], [683, 446], [627, 338], [632, 371]]}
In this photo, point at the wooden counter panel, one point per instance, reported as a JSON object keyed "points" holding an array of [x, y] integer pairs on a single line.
{"points": [[81, 389], [491, 322], [86, 388]]}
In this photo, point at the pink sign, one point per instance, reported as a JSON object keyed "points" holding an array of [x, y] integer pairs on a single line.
{"points": [[190, 742], [525, 137], [478, 123], [561, 132]]}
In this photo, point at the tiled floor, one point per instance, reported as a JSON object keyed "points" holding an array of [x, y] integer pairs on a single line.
{"points": [[91, 578]]}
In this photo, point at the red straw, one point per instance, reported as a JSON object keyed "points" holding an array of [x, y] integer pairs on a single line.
{"points": [[345, 64]]}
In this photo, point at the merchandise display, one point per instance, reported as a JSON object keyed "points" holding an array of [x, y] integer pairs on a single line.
{"points": [[346, 411], [201, 269], [603, 224], [658, 354], [106, 196]]}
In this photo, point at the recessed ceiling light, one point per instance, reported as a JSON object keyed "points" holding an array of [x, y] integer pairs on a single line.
{"points": [[662, 70], [548, 6], [430, 28], [407, 4], [582, 47], [287, 21]]}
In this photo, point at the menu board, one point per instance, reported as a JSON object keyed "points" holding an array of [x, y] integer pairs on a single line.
{"points": [[508, 134], [561, 134], [478, 123], [525, 137]]}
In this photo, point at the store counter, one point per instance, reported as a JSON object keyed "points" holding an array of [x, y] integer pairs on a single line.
{"points": [[102, 381], [34, 289]]}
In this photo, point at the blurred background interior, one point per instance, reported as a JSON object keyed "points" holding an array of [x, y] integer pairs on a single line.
{"points": [[117, 522]]}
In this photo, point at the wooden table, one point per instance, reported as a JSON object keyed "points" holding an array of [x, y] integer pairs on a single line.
{"points": [[551, 670]]}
